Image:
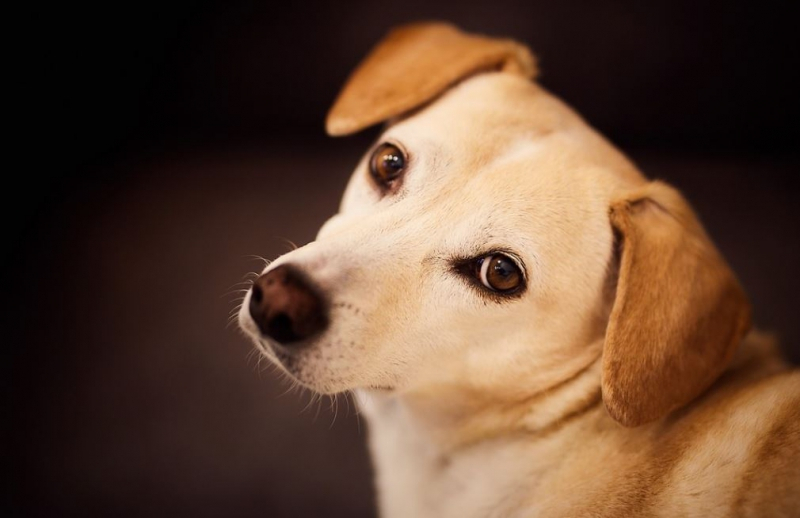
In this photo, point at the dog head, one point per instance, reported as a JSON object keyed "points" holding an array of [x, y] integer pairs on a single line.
{"points": [[491, 240]]}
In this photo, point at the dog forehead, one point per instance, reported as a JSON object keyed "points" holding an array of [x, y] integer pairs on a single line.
{"points": [[494, 119], [479, 117], [495, 143]]}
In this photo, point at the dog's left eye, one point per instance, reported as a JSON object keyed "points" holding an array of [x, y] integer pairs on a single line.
{"points": [[387, 164]]}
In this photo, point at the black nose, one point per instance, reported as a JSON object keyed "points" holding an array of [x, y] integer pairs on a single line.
{"points": [[285, 307]]}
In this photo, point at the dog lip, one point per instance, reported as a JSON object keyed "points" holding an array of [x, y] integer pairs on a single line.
{"points": [[275, 346], [286, 356], [381, 388]]}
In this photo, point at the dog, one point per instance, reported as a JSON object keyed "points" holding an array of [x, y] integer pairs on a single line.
{"points": [[529, 325]]}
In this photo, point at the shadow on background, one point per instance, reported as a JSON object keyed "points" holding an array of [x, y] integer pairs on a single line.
{"points": [[170, 142]]}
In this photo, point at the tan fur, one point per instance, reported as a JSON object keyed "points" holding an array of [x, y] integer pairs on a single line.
{"points": [[622, 382]]}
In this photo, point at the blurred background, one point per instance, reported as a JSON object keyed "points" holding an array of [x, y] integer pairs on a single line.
{"points": [[157, 145]]}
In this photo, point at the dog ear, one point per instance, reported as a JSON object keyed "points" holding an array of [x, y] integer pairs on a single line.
{"points": [[414, 64], [678, 312]]}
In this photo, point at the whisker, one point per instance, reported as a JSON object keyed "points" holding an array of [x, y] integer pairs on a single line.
{"points": [[235, 311], [292, 245], [334, 409], [251, 354], [259, 258], [310, 402], [248, 282], [233, 292], [238, 302], [347, 402], [231, 320], [288, 389]]}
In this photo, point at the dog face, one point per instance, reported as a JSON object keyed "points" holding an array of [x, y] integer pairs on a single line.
{"points": [[400, 265], [490, 241]]}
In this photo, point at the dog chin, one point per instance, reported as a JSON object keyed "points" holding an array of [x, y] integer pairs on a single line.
{"points": [[297, 367], [305, 365], [311, 375]]}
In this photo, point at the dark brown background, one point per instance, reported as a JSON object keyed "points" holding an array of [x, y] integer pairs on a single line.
{"points": [[161, 143]]}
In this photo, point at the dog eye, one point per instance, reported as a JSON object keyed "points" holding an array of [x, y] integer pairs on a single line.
{"points": [[387, 164], [499, 273]]}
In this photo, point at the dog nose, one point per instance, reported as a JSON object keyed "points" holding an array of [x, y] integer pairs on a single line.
{"points": [[285, 307]]}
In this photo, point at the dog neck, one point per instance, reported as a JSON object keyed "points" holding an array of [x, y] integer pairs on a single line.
{"points": [[418, 437]]}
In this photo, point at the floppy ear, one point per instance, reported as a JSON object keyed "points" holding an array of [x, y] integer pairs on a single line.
{"points": [[414, 64], [678, 314]]}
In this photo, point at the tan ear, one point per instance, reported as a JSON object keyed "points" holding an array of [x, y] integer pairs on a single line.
{"points": [[414, 64], [678, 314]]}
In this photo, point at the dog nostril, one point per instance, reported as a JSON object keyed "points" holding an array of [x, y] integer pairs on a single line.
{"points": [[257, 295], [280, 328]]}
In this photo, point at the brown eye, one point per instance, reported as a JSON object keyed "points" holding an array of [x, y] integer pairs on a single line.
{"points": [[499, 273], [387, 164]]}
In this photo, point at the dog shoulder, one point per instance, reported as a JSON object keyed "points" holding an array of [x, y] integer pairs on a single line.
{"points": [[740, 444], [770, 480]]}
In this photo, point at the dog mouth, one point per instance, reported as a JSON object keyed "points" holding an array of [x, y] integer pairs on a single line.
{"points": [[286, 358], [309, 363], [384, 389], [292, 325], [310, 368]]}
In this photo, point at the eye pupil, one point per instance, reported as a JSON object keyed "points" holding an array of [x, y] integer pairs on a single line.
{"points": [[387, 163], [499, 273], [393, 161], [501, 268]]}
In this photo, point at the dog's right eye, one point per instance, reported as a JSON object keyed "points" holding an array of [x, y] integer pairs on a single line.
{"points": [[496, 273], [387, 164], [499, 273]]}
